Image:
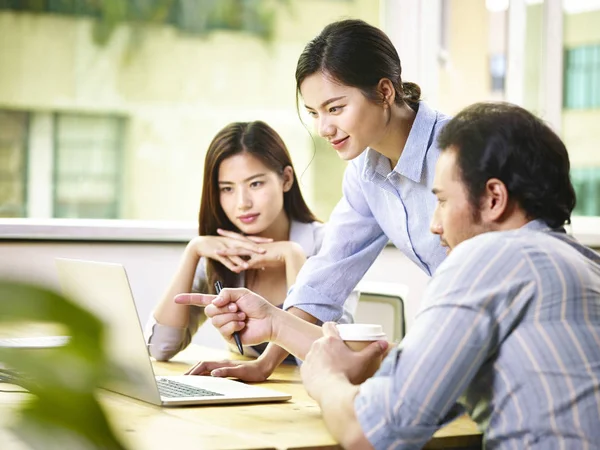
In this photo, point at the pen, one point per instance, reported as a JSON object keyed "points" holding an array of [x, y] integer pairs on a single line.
{"points": [[236, 335]]}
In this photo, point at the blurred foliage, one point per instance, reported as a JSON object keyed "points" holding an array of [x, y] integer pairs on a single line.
{"points": [[63, 411], [196, 17]]}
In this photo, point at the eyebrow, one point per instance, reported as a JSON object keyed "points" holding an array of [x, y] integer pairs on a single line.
{"points": [[247, 179], [327, 102]]}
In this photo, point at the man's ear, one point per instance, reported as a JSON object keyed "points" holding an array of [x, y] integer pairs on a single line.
{"points": [[288, 178], [495, 200]]}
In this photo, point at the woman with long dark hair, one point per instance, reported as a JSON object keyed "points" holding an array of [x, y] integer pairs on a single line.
{"points": [[255, 231]]}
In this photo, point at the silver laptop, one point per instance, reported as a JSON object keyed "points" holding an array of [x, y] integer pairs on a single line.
{"points": [[103, 289]]}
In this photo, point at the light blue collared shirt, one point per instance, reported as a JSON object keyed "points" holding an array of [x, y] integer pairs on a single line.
{"points": [[378, 205]]}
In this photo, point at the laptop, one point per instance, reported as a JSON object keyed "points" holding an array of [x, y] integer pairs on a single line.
{"points": [[104, 289]]}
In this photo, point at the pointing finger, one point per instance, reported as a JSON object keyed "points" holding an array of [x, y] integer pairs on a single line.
{"points": [[194, 299]]}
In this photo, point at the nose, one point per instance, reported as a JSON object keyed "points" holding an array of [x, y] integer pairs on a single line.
{"points": [[244, 199], [326, 128], [436, 225]]}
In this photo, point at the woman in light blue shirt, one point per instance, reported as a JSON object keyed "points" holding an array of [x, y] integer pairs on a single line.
{"points": [[349, 79]]}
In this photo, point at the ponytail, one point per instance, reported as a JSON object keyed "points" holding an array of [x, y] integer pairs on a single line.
{"points": [[412, 93]]}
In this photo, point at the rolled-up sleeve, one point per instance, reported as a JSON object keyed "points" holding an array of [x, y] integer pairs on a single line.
{"points": [[352, 241]]}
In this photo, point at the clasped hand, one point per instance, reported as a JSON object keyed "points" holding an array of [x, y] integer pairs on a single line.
{"points": [[238, 252]]}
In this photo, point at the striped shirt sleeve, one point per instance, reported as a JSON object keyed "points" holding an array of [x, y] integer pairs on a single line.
{"points": [[417, 387]]}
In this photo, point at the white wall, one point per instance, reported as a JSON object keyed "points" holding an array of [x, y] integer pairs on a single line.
{"points": [[150, 266]]}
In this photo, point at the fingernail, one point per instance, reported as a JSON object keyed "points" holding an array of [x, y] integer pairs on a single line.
{"points": [[215, 373], [232, 307], [241, 315]]}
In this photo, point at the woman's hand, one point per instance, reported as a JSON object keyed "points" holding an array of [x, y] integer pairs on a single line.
{"points": [[276, 254], [252, 371], [230, 249]]}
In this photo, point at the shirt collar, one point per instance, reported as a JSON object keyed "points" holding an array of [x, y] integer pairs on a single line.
{"points": [[540, 225], [411, 162]]}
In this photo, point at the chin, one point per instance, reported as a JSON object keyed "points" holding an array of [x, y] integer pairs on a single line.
{"points": [[253, 228], [348, 155]]}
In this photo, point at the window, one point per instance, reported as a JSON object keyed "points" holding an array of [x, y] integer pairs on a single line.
{"points": [[586, 182], [13, 163], [582, 77], [87, 166]]}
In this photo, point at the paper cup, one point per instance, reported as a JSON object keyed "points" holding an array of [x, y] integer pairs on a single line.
{"points": [[357, 336]]}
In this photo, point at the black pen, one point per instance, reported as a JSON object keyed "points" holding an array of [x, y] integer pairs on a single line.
{"points": [[236, 335]]}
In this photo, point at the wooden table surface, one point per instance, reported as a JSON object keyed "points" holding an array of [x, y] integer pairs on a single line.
{"points": [[295, 424]]}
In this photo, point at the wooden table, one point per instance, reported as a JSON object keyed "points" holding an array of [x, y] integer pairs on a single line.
{"points": [[295, 424]]}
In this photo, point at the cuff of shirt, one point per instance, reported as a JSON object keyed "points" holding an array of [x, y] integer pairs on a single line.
{"points": [[376, 411], [164, 342], [320, 306]]}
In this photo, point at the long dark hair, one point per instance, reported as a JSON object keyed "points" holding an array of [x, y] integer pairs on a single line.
{"points": [[507, 142], [261, 141], [356, 54]]}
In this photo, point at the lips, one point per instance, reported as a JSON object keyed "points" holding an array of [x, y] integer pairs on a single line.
{"points": [[339, 143], [248, 218]]}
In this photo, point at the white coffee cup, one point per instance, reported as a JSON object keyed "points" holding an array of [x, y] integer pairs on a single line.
{"points": [[357, 336]]}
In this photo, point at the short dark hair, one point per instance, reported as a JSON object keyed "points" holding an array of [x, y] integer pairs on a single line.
{"points": [[356, 54], [507, 142]]}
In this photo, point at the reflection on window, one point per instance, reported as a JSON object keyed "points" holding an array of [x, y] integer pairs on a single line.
{"points": [[87, 168], [586, 182], [498, 71], [13, 163], [582, 77]]}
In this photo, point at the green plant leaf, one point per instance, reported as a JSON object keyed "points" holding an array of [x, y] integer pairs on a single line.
{"points": [[63, 411]]}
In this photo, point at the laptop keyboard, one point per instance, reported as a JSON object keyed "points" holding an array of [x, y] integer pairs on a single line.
{"points": [[175, 389]]}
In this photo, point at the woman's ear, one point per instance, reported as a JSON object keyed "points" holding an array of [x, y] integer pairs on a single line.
{"points": [[288, 178], [386, 91]]}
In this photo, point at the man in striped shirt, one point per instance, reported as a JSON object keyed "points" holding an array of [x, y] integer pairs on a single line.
{"points": [[509, 328]]}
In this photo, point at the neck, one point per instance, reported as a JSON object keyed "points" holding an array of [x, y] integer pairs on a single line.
{"points": [[279, 230], [513, 220], [396, 132]]}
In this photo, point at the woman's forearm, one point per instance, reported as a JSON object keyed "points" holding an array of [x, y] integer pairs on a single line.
{"points": [[167, 312]]}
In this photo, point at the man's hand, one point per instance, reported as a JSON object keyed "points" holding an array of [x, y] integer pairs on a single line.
{"points": [[330, 360], [236, 310]]}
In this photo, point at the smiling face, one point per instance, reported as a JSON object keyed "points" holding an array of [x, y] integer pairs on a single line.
{"points": [[454, 219], [343, 115], [251, 194]]}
